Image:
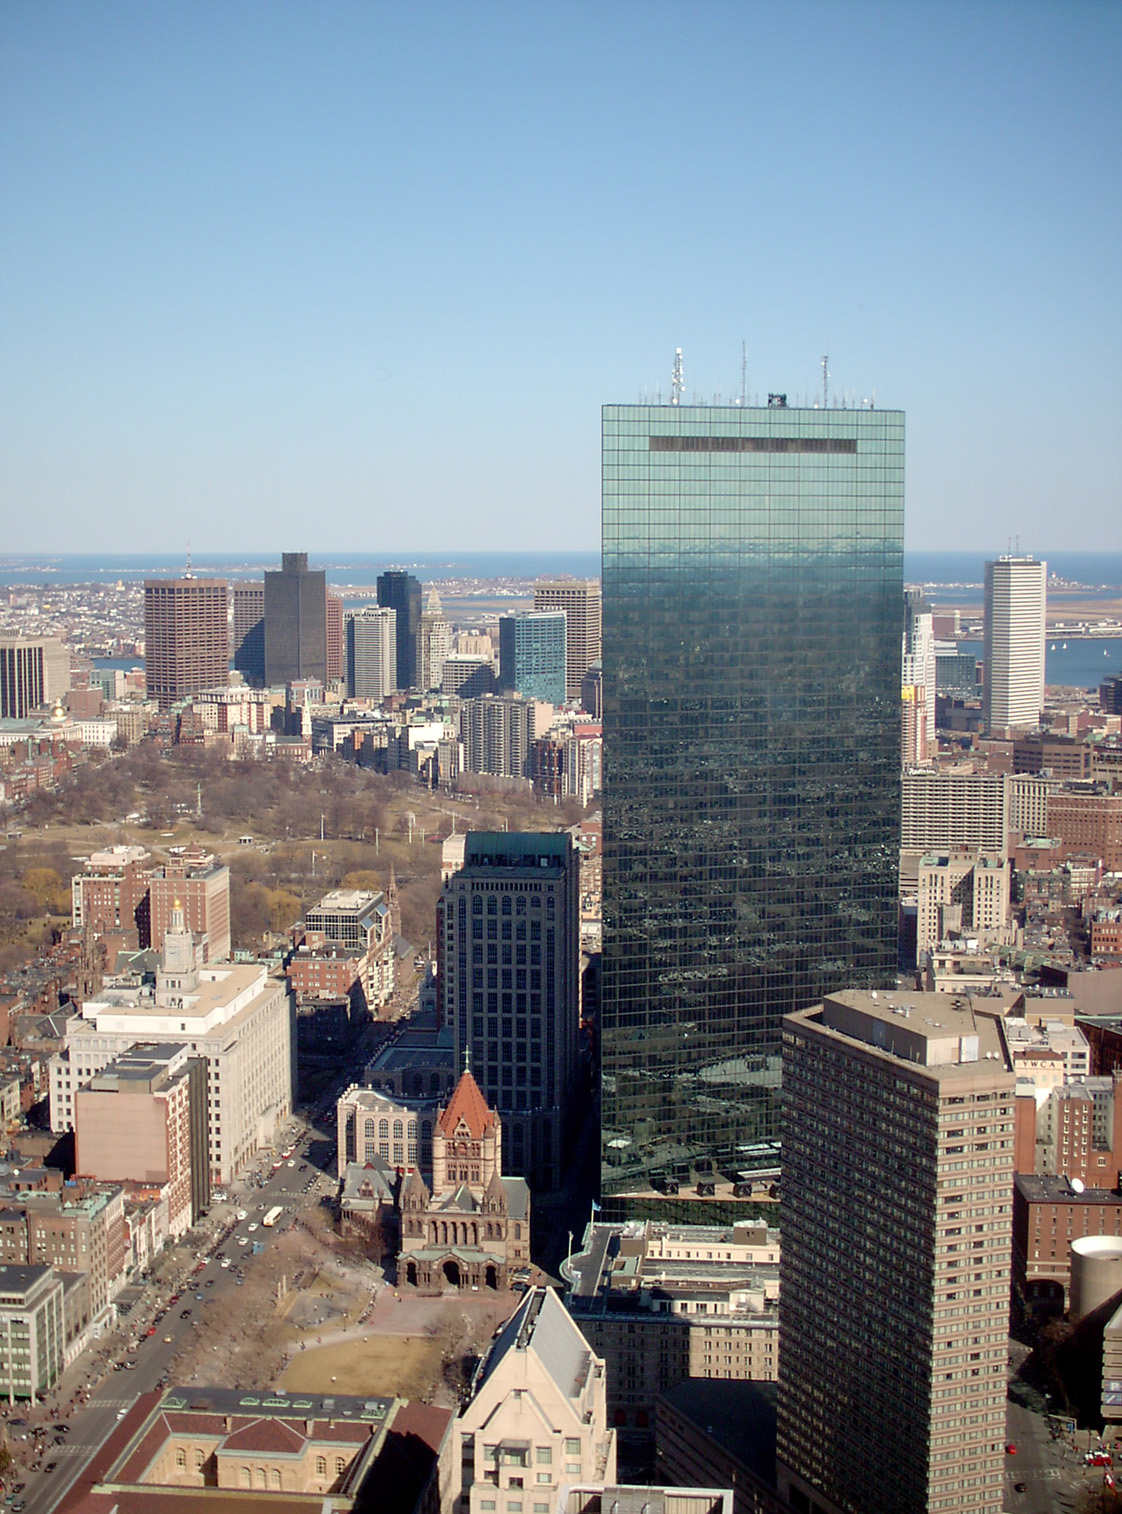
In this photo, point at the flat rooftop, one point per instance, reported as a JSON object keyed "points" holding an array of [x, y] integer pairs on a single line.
{"points": [[946, 1034]]}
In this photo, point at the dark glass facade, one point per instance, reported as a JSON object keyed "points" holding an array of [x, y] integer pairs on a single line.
{"points": [[753, 592], [295, 621], [401, 592]]}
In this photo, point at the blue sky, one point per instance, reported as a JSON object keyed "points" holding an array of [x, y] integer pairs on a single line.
{"points": [[360, 276]]}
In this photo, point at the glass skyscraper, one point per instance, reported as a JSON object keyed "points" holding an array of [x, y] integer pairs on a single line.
{"points": [[532, 654], [753, 592]]}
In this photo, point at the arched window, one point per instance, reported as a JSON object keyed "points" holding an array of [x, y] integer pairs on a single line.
{"points": [[276, 1477], [383, 1130], [181, 1457], [518, 1232], [321, 1466], [370, 1129], [262, 1480], [200, 1457], [398, 1130], [246, 1478], [340, 1466]]}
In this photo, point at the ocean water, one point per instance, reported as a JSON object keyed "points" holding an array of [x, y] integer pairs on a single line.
{"points": [[959, 573], [342, 567], [1074, 664]]}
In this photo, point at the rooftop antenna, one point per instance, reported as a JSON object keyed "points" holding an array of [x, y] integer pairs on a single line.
{"points": [[744, 373], [825, 380], [677, 382], [188, 573]]}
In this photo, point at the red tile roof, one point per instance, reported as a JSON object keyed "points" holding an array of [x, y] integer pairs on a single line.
{"points": [[468, 1104]]}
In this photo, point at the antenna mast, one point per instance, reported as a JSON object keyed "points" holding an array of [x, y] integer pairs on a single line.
{"points": [[744, 373], [677, 382], [825, 380]]}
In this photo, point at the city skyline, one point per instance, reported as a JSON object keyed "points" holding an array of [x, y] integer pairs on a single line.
{"points": [[378, 266]]}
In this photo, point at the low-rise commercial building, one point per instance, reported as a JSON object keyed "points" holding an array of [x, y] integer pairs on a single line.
{"points": [[663, 1302]]}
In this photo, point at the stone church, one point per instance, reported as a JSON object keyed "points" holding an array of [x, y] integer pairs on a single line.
{"points": [[473, 1227]]}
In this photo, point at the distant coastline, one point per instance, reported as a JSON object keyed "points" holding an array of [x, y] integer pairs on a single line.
{"points": [[962, 572]]}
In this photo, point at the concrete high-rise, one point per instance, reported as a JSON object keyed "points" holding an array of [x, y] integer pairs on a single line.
{"points": [[401, 592], [186, 637], [510, 987], [753, 607], [295, 621], [1013, 643], [580, 600], [532, 655], [371, 641], [895, 1268], [247, 631]]}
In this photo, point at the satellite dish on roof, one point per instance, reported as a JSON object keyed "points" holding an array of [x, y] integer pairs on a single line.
{"points": [[1077, 1185]]}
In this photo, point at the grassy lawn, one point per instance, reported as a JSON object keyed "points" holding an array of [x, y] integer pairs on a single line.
{"points": [[385, 1366]]}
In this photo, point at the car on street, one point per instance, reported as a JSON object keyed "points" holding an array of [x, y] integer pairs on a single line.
{"points": [[167, 1340], [151, 1330], [185, 1314], [1098, 1459]]}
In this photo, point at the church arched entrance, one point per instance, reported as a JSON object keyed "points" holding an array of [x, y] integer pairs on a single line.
{"points": [[492, 1277], [452, 1272], [411, 1274]]}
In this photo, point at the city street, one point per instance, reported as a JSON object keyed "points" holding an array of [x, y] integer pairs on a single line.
{"points": [[138, 1355]]}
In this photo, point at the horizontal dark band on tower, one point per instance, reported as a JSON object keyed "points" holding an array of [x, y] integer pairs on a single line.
{"points": [[753, 444]]}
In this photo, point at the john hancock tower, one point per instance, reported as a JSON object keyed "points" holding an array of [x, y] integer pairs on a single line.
{"points": [[753, 592]]}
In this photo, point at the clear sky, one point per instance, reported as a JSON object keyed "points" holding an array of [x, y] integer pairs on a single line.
{"points": [[359, 276]]}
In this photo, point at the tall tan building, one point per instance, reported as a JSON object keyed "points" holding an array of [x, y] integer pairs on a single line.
{"points": [[895, 1271], [186, 637], [239, 1018], [537, 1418], [962, 893], [580, 600]]}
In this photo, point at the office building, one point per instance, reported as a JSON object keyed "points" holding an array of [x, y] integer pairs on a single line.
{"points": [[32, 1335], [247, 631], [580, 600], [532, 655], [895, 1271], [510, 990], [917, 680], [1013, 643], [664, 1302], [467, 675], [142, 1121], [34, 671], [336, 648], [401, 592], [753, 590], [435, 643], [371, 637], [962, 894], [295, 621], [537, 1416], [186, 637], [239, 1018]]}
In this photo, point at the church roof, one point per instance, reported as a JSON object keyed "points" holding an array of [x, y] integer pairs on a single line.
{"points": [[468, 1104]]}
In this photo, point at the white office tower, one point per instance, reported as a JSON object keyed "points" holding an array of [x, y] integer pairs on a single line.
{"points": [[895, 1267], [917, 682], [1016, 591]]}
